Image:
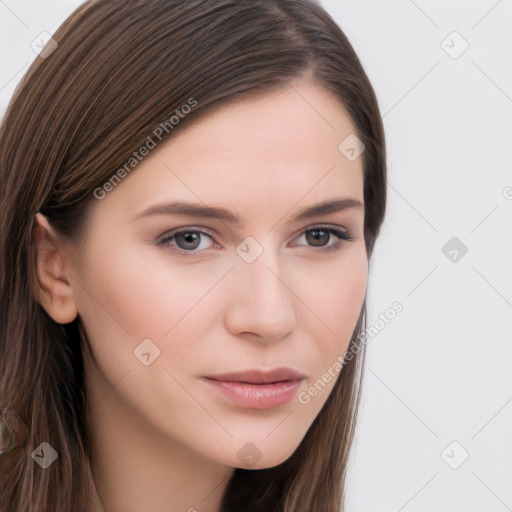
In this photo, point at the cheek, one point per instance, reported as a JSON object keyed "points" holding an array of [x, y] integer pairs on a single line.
{"points": [[336, 300], [335, 293], [134, 295], [145, 294], [142, 294]]}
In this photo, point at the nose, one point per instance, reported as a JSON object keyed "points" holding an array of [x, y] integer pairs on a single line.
{"points": [[261, 303]]}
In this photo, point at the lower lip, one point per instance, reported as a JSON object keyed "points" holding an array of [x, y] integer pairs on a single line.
{"points": [[257, 396]]}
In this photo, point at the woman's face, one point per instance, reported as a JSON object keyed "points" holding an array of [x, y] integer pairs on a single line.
{"points": [[168, 313]]}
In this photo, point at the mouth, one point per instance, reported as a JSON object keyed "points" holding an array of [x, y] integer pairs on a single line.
{"points": [[258, 389]]}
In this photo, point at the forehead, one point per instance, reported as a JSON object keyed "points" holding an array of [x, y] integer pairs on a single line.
{"points": [[275, 150]]}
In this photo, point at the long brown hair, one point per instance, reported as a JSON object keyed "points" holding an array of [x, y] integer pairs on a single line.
{"points": [[121, 68]]}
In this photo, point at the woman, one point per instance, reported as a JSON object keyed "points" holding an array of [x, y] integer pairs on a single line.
{"points": [[191, 192]]}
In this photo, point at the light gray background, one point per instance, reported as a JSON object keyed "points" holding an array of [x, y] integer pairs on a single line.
{"points": [[440, 371]]}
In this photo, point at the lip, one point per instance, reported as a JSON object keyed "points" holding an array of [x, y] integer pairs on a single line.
{"points": [[259, 376], [258, 389]]}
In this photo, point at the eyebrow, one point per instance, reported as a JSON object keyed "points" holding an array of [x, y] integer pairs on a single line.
{"points": [[215, 212]]}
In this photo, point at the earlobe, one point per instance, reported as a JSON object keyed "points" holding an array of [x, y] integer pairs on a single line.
{"points": [[53, 289]]}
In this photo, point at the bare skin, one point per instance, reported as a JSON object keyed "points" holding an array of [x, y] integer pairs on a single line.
{"points": [[164, 439]]}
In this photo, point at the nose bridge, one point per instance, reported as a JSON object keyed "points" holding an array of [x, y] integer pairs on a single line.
{"points": [[262, 304]]}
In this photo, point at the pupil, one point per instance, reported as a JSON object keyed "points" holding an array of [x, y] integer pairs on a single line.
{"points": [[317, 235]]}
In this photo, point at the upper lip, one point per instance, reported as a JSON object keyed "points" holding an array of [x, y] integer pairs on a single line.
{"points": [[259, 376]]}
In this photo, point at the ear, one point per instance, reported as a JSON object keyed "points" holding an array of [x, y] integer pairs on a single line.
{"points": [[54, 291]]}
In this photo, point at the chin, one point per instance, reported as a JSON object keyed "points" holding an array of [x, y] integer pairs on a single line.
{"points": [[262, 454]]}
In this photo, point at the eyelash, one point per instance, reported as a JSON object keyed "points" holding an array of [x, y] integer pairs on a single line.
{"points": [[342, 236]]}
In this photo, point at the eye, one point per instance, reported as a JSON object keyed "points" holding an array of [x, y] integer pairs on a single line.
{"points": [[187, 240], [326, 238]]}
